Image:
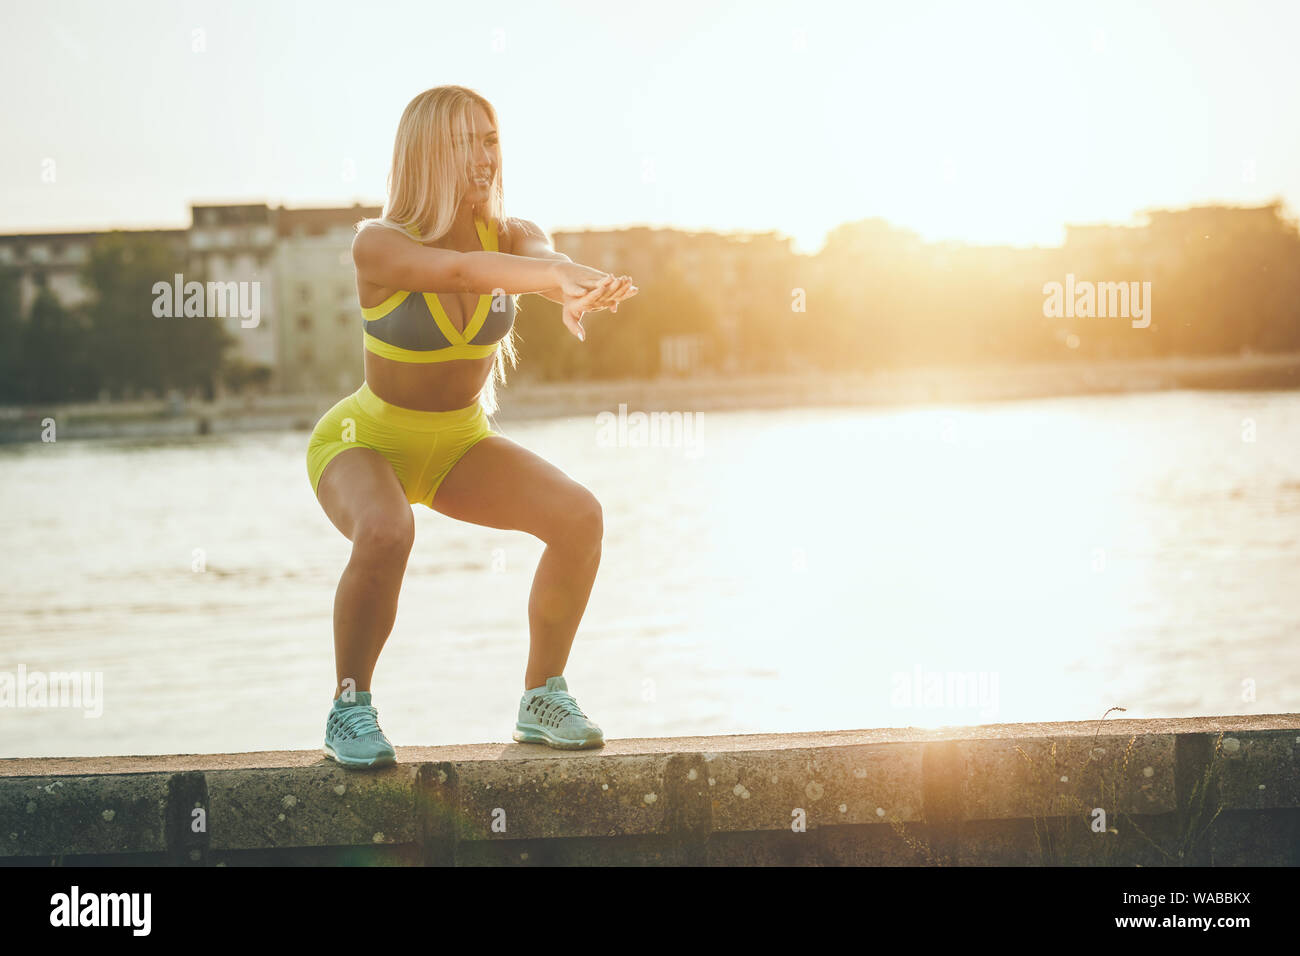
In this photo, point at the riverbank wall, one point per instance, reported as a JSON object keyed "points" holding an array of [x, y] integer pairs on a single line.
{"points": [[1198, 791]]}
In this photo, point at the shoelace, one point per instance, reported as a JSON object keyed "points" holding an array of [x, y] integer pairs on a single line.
{"points": [[560, 701], [358, 720]]}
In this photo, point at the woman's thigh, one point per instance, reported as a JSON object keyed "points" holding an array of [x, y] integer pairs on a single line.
{"points": [[359, 491], [500, 484]]}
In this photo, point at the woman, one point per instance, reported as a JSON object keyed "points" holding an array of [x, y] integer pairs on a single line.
{"points": [[437, 278]]}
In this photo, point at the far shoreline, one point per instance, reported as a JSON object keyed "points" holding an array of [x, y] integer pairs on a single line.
{"points": [[526, 400]]}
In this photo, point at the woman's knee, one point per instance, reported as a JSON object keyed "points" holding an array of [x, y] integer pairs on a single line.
{"points": [[384, 534], [582, 524]]}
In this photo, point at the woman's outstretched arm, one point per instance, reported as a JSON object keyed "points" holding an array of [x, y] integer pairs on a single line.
{"points": [[529, 239], [385, 258]]}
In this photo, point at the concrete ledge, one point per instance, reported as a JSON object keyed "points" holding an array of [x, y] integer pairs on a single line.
{"points": [[1123, 792]]}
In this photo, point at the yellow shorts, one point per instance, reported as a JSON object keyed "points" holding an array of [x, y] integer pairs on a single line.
{"points": [[422, 447]]}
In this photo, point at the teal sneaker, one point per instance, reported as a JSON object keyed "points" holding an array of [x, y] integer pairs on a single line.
{"points": [[353, 737], [549, 715]]}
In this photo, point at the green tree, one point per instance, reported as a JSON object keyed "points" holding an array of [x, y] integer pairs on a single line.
{"points": [[11, 328], [53, 352], [133, 349], [624, 344]]}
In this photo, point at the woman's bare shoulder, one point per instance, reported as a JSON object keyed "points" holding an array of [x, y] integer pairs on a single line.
{"points": [[374, 235], [520, 236]]}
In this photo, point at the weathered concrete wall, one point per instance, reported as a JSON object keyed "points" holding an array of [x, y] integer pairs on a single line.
{"points": [[1221, 791]]}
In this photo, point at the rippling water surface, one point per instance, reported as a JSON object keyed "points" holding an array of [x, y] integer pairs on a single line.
{"points": [[806, 569]]}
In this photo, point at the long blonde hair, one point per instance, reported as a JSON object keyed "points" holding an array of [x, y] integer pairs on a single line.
{"points": [[430, 155]]}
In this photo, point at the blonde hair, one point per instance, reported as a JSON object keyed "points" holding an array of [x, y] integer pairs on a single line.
{"points": [[430, 155]]}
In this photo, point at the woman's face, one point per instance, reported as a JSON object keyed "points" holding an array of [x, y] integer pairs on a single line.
{"points": [[484, 150]]}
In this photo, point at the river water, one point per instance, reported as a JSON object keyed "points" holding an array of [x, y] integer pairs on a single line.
{"points": [[797, 570]]}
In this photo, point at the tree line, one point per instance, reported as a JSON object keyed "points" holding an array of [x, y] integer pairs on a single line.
{"points": [[1221, 280], [111, 344]]}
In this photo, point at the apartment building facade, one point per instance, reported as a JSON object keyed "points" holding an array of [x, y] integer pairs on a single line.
{"points": [[237, 244], [308, 332], [319, 328], [54, 261]]}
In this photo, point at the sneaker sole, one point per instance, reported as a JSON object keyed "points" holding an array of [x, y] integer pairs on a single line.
{"points": [[381, 761], [540, 735]]}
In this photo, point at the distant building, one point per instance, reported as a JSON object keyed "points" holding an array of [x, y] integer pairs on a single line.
{"points": [[319, 325], [1163, 242], [735, 274], [1092, 250], [681, 354], [309, 333], [236, 244], [55, 260]]}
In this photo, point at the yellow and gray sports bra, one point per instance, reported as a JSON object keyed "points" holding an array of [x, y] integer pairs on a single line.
{"points": [[413, 327]]}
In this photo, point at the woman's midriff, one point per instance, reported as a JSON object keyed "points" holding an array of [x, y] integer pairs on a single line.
{"points": [[431, 387]]}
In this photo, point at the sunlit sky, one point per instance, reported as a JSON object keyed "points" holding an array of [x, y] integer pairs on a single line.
{"points": [[990, 122]]}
